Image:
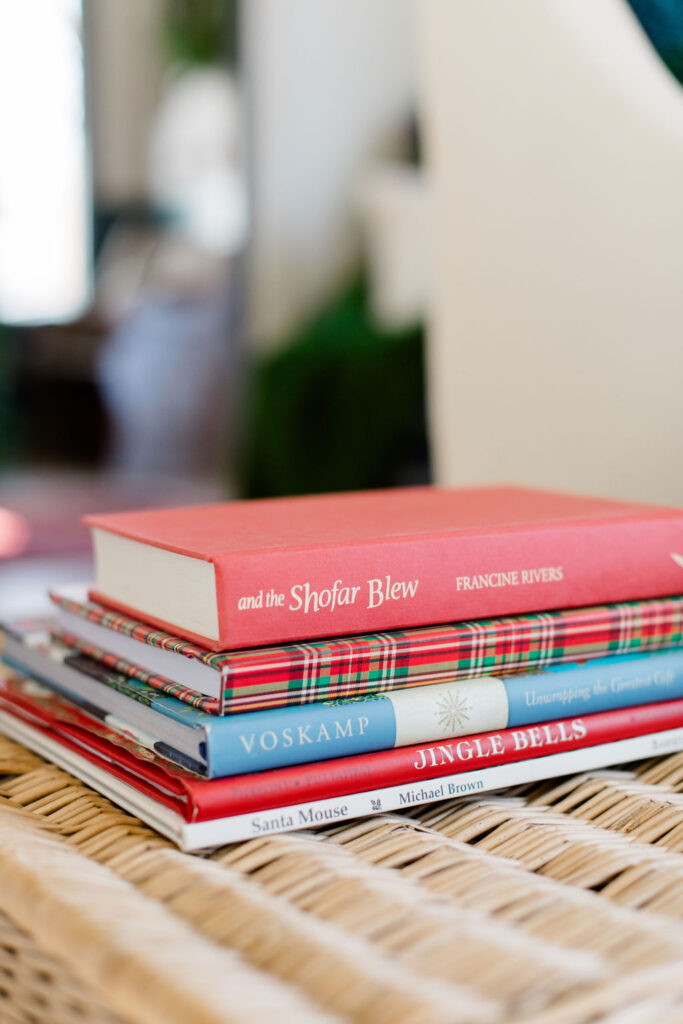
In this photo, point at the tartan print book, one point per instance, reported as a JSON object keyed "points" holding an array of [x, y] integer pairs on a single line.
{"points": [[339, 668]]}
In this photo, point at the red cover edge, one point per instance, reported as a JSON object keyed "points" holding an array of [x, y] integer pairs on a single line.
{"points": [[149, 777]]}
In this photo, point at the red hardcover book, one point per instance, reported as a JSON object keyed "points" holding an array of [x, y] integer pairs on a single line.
{"points": [[308, 792], [244, 574]]}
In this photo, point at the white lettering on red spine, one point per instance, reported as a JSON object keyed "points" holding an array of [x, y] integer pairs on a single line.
{"points": [[579, 728], [305, 598], [478, 749], [509, 578], [381, 590]]}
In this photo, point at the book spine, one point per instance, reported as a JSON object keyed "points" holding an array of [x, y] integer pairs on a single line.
{"points": [[314, 732], [204, 834], [248, 794], [279, 596]]}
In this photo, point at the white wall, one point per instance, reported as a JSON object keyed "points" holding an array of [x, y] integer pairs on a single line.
{"points": [[328, 85], [554, 138]]}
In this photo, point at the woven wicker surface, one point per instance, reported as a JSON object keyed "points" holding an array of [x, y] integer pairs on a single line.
{"points": [[556, 904]]}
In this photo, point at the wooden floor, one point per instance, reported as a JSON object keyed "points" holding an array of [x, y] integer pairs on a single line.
{"points": [[553, 904]]}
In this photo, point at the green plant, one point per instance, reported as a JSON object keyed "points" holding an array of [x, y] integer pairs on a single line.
{"points": [[201, 31], [339, 407]]}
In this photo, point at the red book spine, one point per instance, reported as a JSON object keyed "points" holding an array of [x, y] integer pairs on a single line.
{"points": [[287, 595], [247, 794]]}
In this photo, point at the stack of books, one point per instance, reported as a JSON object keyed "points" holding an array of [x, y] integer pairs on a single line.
{"points": [[254, 667]]}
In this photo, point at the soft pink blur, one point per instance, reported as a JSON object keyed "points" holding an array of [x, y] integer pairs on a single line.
{"points": [[14, 534]]}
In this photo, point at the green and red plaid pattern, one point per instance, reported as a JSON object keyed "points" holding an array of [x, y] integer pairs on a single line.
{"points": [[126, 668], [269, 677]]}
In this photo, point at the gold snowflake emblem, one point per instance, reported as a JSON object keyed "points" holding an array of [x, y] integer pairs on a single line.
{"points": [[452, 712]]}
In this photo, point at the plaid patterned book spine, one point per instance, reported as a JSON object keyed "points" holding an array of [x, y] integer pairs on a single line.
{"points": [[339, 668]]}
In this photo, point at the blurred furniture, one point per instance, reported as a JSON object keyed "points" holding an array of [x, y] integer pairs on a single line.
{"points": [[553, 137], [57, 415]]}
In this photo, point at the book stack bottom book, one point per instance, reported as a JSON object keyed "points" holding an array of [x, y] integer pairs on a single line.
{"points": [[214, 748]]}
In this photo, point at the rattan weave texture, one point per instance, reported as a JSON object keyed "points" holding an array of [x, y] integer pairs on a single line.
{"points": [[558, 903]]}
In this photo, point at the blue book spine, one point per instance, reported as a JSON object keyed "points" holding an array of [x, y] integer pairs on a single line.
{"points": [[315, 732], [258, 740]]}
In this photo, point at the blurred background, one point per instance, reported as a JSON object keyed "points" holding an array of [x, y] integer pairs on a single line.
{"points": [[278, 246]]}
